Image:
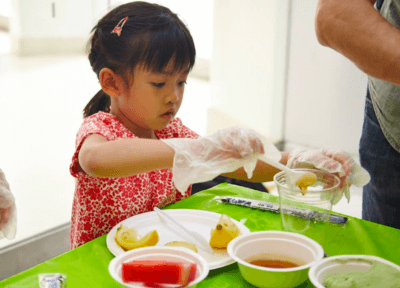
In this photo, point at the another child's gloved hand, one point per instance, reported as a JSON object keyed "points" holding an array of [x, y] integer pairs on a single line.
{"points": [[336, 162], [203, 159], [8, 218]]}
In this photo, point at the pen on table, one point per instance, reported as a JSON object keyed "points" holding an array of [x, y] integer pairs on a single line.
{"points": [[274, 207]]}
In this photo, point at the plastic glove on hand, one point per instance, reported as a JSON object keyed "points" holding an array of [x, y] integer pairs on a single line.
{"points": [[203, 159], [8, 219], [336, 162]]}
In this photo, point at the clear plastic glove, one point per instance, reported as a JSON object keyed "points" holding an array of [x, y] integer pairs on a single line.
{"points": [[336, 162], [203, 159], [8, 218]]}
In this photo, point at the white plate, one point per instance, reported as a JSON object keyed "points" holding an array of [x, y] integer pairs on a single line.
{"points": [[197, 220]]}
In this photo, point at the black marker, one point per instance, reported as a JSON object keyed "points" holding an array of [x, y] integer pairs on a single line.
{"points": [[274, 207]]}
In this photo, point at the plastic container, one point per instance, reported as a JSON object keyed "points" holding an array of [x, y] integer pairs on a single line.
{"points": [[279, 245], [317, 198], [331, 265], [158, 253]]}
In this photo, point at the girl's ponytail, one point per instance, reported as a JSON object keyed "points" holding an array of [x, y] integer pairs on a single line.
{"points": [[100, 102]]}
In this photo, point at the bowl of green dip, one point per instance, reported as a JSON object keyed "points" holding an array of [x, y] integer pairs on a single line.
{"points": [[355, 271]]}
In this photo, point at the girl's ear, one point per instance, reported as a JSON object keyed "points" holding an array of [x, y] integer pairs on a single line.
{"points": [[111, 83]]}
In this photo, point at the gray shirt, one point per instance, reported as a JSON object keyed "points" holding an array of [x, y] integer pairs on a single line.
{"points": [[386, 96]]}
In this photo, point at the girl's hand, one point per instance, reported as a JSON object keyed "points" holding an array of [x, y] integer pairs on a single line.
{"points": [[8, 218], [335, 162], [234, 142], [203, 159]]}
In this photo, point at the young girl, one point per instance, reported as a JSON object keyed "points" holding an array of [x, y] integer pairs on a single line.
{"points": [[142, 54]]}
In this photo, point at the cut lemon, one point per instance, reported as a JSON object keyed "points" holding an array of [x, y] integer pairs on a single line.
{"points": [[128, 238], [224, 232]]}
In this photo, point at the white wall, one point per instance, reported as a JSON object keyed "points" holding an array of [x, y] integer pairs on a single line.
{"points": [[5, 12], [305, 93], [50, 26], [71, 18], [326, 92], [243, 66], [5, 8]]}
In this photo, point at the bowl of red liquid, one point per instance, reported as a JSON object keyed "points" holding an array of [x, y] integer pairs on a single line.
{"points": [[275, 259], [158, 266]]}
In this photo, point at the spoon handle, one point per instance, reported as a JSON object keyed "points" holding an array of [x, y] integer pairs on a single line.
{"points": [[188, 235], [289, 172], [275, 164]]}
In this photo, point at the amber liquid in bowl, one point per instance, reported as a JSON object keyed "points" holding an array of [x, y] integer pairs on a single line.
{"points": [[274, 263]]}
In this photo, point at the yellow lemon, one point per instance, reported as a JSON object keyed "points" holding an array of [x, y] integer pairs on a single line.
{"points": [[224, 232], [128, 239]]}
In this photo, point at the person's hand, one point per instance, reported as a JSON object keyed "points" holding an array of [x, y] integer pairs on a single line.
{"points": [[7, 210], [336, 162], [203, 159]]}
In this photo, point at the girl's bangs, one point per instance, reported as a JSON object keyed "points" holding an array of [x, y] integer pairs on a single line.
{"points": [[168, 43]]}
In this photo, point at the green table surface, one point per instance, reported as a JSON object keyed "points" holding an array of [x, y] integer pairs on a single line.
{"points": [[87, 266]]}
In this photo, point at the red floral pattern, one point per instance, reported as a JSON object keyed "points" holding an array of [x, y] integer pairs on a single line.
{"points": [[101, 203]]}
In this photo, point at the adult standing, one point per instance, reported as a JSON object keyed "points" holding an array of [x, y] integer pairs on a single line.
{"points": [[369, 36]]}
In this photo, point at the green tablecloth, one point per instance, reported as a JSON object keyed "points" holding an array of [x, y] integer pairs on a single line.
{"points": [[87, 266]]}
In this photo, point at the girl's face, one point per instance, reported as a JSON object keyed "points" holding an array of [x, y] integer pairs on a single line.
{"points": [[151, 101]]}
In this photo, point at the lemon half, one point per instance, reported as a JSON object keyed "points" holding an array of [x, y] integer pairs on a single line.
{"points": [[129, 239], [224, 232]]}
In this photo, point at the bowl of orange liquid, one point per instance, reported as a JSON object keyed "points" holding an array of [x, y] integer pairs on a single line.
{"points": [[275, 259]]}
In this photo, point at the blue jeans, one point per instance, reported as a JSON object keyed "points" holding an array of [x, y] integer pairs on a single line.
{"points": [[381, 196]]}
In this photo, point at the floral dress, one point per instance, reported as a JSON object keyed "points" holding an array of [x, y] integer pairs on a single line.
{"points": [[101, 203]]}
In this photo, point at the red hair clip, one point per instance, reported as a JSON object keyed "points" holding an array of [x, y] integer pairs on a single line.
{"points": [[117, 30]]}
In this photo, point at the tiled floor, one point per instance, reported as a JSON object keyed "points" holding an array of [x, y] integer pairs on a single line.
{"points": [[42, 99]]}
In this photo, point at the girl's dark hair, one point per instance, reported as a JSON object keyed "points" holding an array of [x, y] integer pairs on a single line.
{"points": [[152, 36]]}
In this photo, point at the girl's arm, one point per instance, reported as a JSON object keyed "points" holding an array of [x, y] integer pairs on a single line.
{"points": [[358, 31], [262, 173], [101, 158]]}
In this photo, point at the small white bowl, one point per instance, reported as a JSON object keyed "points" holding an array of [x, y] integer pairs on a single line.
{"points": [[330, 266], [157, 253], [287, 245]]}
